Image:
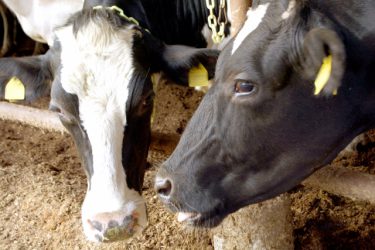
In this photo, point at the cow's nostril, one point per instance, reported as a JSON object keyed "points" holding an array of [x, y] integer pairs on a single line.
{"points": [[163, 187]]}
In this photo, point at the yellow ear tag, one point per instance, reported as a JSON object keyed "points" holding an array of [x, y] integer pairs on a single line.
{"points": [[198, 76], [14, 90], [323, 75]]}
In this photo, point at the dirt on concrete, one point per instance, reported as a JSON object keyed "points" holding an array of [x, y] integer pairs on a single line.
{"points": [[326, 221]]}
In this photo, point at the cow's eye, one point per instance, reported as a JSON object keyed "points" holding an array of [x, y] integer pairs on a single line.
{"points": [[242, 88]]}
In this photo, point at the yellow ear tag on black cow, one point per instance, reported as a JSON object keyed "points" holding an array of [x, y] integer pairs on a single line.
{"points": [[323, 75], [14, 90], [198, 76]]}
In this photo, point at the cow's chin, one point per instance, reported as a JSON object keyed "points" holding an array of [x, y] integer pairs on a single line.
{"points": [[205, 220]]}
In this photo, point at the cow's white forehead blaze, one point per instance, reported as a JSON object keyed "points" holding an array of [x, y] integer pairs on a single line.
{"points": [[254, 18], [97, 66]]}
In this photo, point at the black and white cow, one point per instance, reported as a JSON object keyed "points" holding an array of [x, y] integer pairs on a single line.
{"points": [[260, 130], [39, 18], [175, 21], [99, 69]]}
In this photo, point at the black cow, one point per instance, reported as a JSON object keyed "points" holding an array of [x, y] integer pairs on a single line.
{"points": [[260, 130], [99, 69]]}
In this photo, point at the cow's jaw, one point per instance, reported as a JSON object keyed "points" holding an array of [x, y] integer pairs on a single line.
{"points": [[91, 69]]}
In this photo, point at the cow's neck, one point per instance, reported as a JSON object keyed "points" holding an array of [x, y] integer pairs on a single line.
{"points": [[178, 21]]}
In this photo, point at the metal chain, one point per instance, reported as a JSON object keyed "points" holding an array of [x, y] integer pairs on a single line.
{"points": [[119, 11], [213, 22]]}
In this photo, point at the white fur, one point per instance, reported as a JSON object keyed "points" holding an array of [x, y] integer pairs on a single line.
{"points": [[39, 18], [229, 10], [97, 66], [254, 18], [286, 14]]}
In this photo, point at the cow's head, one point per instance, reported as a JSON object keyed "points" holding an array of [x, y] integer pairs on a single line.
{"points": [[103, 93], [260, 130], [106, 67]]}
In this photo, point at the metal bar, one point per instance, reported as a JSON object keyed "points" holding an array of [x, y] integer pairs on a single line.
{"points": [[344, 182]]}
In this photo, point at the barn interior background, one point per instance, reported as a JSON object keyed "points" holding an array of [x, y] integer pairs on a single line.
{"points": [[42, 186]]}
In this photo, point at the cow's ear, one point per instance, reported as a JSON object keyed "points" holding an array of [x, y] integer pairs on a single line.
{"points": [[24, 78], [178, 60], [325, 56]]}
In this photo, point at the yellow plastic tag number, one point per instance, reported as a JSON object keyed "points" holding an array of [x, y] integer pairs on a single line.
{"points": [[198, 76], [323, 75], [14, 90]]}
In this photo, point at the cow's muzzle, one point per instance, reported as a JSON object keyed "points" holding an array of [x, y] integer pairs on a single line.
{"points": [[114, 226]]}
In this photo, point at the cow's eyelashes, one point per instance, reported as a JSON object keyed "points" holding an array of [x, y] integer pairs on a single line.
{"points": [[243, 88]]}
